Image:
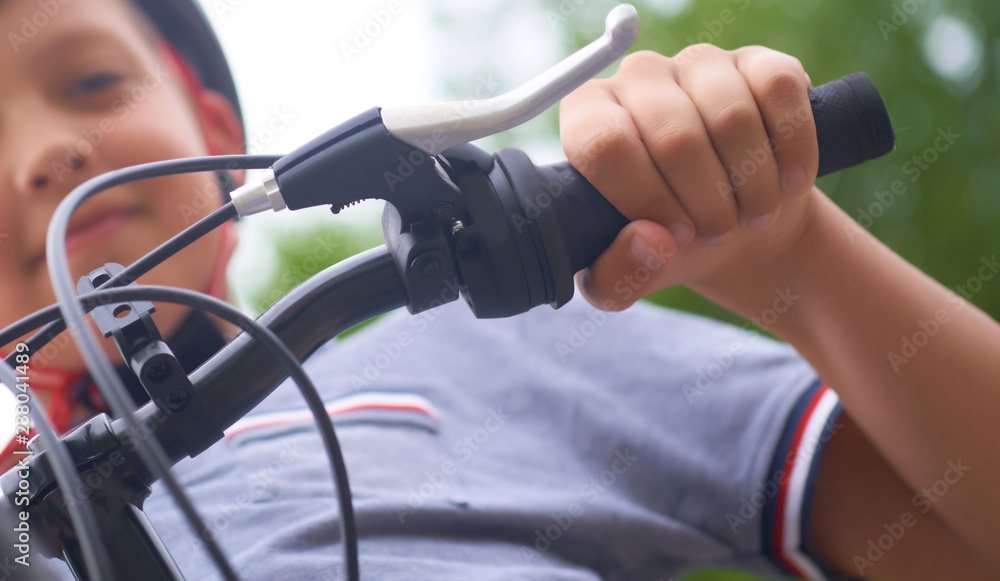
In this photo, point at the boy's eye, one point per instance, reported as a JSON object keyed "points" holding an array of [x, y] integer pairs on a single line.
{"points": [[95, 83]]}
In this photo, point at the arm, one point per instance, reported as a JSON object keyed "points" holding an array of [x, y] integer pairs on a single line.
{"points": [[925, 413], [680, 146], [863, 520]]}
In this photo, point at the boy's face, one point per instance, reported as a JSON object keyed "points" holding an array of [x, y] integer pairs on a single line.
{"points": [[83, 94]]}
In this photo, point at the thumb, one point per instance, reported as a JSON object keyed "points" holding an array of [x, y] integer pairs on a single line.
{"points": [[634, 266]]}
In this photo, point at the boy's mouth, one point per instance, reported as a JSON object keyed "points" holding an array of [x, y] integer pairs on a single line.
{"points": [[90, 229]]}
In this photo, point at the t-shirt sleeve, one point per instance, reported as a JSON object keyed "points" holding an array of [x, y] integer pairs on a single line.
{"points": [[791, 481]]}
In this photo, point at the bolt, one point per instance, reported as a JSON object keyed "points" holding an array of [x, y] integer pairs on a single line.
{"points": [[159, 372], [178, 400], [427, 265], [444, 210]]}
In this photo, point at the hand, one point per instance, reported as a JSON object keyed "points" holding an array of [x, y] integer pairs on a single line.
{"points": [[711, 154]]}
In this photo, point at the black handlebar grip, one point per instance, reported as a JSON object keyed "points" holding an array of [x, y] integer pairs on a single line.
{"points": [[852, 126], [852, 123]]}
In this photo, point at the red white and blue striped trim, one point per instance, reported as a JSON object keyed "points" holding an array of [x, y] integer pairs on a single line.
{"points": [[354, 405], [796, 461]]}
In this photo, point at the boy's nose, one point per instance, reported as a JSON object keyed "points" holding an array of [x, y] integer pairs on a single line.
{"points": [[41, 177], [52, 157], [51, 168]]}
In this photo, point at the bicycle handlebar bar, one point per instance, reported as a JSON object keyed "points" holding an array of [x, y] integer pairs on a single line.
{"points": [[242, 374]]}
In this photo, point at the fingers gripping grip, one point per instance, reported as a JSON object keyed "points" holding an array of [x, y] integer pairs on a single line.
{"points": [[559, 223], [852, 126]]}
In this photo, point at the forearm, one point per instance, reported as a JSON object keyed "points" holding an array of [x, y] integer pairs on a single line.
{"points": [[863, 522], [915, 365]]}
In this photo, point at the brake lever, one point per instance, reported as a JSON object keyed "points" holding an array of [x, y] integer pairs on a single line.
{"points": [[422, 126], [376, 153]]}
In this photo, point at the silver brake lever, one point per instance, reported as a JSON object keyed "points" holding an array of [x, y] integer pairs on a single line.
{"points": [[436, 127]]}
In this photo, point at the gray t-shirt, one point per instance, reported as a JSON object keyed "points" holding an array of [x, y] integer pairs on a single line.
{"points": [[568, 445]]}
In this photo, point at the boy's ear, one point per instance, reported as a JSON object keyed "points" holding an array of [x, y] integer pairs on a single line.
{"points": [[220, 127]]}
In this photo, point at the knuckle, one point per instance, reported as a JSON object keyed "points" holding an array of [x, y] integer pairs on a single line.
{"points": [[785, 88], [794, 129], [735, 122], [677, 143], [795, 65], [750, 50], [696, 52], [584, 96], [641, 61], [600, 146]]}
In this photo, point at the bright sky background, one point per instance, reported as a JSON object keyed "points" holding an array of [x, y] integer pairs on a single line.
{"points": [[287, 57]]}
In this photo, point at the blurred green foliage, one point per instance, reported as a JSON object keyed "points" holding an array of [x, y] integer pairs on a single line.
{"points": [[301, 251], [936, 62]]}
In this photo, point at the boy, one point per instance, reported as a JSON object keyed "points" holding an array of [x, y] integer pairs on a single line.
{"points": [[519, 464]]}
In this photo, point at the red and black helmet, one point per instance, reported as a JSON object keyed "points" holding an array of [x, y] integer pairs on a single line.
{"points": [[185, 27]]}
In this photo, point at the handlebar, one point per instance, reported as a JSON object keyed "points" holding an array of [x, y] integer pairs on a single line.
{"points": [[237, 378], [560, 223], [525, 227]]}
